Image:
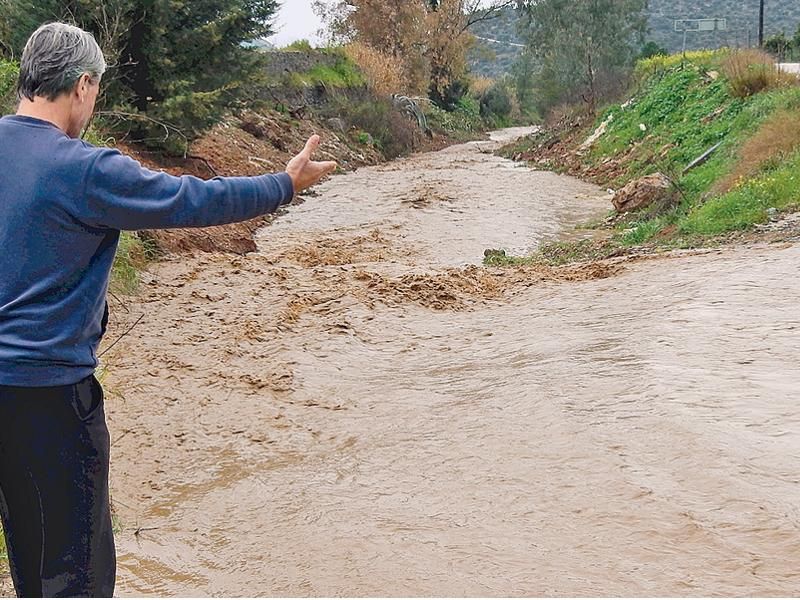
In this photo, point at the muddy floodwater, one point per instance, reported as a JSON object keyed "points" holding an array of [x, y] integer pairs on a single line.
{"points": [[355, 410]]}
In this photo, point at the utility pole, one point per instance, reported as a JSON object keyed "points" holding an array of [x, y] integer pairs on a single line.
{"points": [[761, 24]]}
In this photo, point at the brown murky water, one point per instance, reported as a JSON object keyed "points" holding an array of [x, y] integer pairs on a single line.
{"points": [[352, 411]]}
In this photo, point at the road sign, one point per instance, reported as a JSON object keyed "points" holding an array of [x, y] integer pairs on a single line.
{"points": [[684, 25]]}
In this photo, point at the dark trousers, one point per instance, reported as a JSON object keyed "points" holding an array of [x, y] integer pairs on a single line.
{"points": [[54, 502]]}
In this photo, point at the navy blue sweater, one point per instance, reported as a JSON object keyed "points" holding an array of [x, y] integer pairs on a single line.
{"points": [[63, 203]]}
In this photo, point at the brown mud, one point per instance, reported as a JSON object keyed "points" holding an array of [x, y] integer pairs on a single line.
{"points": [[358, 409]]}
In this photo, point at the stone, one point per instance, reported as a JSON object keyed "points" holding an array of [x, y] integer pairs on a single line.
{"points": [[336, 124], [643, 192]]}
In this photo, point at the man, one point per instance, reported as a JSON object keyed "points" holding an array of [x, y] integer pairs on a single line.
{"points": [[63, 203]]}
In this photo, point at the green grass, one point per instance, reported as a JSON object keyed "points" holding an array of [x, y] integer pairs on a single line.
{"points": [[298, 46], [746, 205], [8, 79], [132, 257], [3, 554], [343, 74], [466, 118], [687, 107], [554, 254]]}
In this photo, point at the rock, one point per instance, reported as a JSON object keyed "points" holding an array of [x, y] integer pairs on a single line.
{"points": [[336, 125], [643, 192], [598, 133]]}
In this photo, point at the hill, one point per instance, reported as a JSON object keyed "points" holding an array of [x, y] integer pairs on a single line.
{"points": [[498, 39], [499, 45], [741, 17]]}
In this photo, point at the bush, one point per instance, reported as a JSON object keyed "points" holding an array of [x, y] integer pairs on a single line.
{"points": [[391, 131], [449, 95], [465, 118], [299, 46], [478, 86], [8, 82], [384, 73], [651, 49], [496, 103], [751, 71], [661, 63]]}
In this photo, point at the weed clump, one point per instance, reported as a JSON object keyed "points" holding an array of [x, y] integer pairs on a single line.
{"points": [[776, 139], [751, 72]]}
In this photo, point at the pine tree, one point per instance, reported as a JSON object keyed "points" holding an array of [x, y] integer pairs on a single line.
{"points": [[178, 62]]}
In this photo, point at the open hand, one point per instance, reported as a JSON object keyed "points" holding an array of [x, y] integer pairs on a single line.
{"points": [[306, 172]]}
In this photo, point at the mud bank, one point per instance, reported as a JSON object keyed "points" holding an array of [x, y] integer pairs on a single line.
{"points": [[357, 409]]}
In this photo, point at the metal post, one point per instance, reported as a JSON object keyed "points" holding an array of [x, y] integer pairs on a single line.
{"points": [[761, 24]]}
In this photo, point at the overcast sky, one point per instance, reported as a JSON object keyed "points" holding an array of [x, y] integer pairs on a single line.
{"points": [[295, 21]]}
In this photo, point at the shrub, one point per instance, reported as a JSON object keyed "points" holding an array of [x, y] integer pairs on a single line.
{"points": [[661, 63], [752, 71], [384, 73], [651, 49], [8, 81], [465, 118], [299, 46], [447, 96], [480, 85], [496, 103], [392, 132]]}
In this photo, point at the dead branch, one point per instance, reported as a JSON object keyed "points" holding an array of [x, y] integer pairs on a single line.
{"points": [[119, 339]]}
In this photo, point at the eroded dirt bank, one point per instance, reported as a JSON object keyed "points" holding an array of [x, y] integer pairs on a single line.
{"points": [[353, 411]]}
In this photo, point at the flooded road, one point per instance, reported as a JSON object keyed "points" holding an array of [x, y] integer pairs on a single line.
{"points": [[354, 410]]}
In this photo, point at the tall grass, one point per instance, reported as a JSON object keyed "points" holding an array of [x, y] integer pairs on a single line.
{"points": [[133, 254], [751, 71], [384, 73], [3, 554], [778, 137]]}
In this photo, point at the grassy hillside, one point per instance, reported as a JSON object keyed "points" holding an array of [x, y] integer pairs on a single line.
{"points": [[680, 112]]}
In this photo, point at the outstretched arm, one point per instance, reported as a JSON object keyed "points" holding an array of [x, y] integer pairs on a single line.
{"points": [[121, 194]]}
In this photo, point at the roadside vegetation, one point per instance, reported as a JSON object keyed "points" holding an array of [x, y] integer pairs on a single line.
{"points": [[735, 105]]}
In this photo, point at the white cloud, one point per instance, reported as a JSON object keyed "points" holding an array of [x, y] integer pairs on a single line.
{"points": [[295, 21]]}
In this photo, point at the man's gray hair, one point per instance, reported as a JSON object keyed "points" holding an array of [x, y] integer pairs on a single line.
{"points": [[55, 57]]}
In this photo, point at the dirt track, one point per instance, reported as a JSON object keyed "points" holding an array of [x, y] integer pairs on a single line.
{"points": [[354, 411]]}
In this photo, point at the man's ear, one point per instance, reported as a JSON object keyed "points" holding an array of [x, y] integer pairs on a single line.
{"points": [[82, 87]]}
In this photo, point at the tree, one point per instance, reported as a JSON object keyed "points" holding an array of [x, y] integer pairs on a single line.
{"points": [[430, 37], [174, 65], [394, 29], [778, 45], [583, 48], [183, 61], [449, 40]]}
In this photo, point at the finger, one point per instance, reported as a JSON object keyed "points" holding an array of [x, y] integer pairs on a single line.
{"points": [[327, 167], [311, 146]]}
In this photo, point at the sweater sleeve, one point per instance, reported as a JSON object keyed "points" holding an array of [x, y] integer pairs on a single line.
{"points": [[121, 194]]}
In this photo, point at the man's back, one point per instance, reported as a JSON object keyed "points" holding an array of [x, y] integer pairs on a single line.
{"points": [[53, 268]]}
